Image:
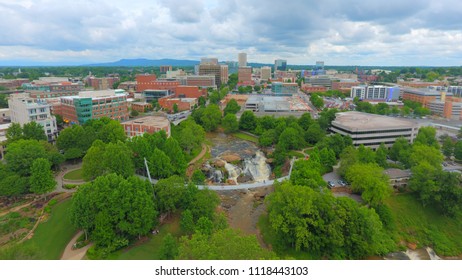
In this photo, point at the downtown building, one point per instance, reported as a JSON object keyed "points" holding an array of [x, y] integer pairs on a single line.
{"points": [[371, 130], [25, 109], [375, 93], [89, 105]]}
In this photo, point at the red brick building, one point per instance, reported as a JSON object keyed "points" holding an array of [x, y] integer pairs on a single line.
{"points": [[141, 106], [189, 92], [309, 88], [146, 82], [150, 124], [102, 83], [184, 104], [344, 86]]}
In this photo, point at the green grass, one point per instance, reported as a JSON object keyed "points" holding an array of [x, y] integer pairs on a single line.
{"points": [[425, 226], [270, 238], [244, 136], [74, 175], [149, 250], [52, 236]]}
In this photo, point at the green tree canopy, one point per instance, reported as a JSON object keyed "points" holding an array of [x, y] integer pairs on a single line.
{"points": [[230, 123], [248, 121], [232, 107], [113, 210], [42, 180]]}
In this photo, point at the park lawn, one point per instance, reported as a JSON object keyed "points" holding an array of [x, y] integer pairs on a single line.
{"points": [[149, 250], [52, 236], [244, 136], [295, 154], [425, 226], [270, 238], [74, 175]]}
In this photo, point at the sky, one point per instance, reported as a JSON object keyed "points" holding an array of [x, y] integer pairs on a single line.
{"points": [[338, 32]]}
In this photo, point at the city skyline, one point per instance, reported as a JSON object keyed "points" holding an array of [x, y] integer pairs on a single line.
{"points": [[392, 33]]}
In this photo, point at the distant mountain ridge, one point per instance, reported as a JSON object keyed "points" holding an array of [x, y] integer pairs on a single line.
{"points": [[146, 62]]}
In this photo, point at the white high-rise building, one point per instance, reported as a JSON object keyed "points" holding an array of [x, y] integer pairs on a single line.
{"points": [[24, 109], [242, 59]]}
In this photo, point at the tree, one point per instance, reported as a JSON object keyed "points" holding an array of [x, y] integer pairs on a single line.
{"points": [[314, 134], [305, 121], [160, 165], [248, 121], [427, 136], [169, 194], [326, 117], [92, 166], [312, 221], [35, 131], [14, 132], [187, 222], [448, 147], [198, 177], [202, 101], [228, 244], [211, 117], [42, 180], [113, 210], [423, 182], [369, 180], [232, 107], [401, 144], [173, 150], [203, 204], [268, 138], [230, 123], [22, 153], [430, 154], [204, 226], [169, 248], [118, 158], [11, 184], [290, 139], [365, 155], [458, 150], [307, 173], [175, 108], [316, 101], [381, 156], [327, 160]]}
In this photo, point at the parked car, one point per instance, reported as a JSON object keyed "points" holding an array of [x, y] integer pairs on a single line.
{"points": [[341, 183], [330, 184]]}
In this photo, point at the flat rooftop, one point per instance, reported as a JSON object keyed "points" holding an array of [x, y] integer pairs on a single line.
{"points": [[156, 121], [358, 121], [95, 94]]}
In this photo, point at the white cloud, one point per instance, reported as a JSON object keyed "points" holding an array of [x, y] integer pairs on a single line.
{"points": [[339, 32]]}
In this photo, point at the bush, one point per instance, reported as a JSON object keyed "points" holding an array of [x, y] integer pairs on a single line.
{"points": [[70, 186]]}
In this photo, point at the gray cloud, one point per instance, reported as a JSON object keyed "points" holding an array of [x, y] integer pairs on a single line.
{"points": [[340, 32]]}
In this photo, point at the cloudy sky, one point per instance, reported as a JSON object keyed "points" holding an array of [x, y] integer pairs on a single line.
{"points": [[339, 32]]}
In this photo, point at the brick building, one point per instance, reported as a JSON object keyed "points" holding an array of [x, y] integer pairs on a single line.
{"points": [[150, 82], [150, 124], [94, 105], [184, 104]]}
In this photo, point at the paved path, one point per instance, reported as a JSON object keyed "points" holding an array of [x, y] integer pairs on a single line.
{"points": [[200, 155], [76, 254], [60, 177]]}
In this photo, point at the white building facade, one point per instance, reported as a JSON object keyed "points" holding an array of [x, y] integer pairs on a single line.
{"points": [[24, 109]]}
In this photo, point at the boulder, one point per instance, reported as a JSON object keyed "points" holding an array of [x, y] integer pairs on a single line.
{"points": [[231, 157], [219, 163]]}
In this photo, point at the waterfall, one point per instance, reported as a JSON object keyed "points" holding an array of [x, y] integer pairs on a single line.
{"points": [[233, 171], [257, 167], [217, 176]]}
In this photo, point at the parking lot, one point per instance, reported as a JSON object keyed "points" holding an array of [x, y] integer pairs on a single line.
{"points": [[333, 177]]}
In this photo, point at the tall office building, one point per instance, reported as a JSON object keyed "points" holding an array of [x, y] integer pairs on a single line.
{"points": [[280, 64], [242, 58], [224, 73], [24, 109], [245, 75], [211, 69], [266, 73], [209, 61]]}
